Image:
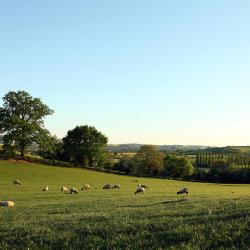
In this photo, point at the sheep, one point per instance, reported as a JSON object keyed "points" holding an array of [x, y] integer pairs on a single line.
{"points": [[107, 186], [117, 186], [73, 190], [64, 189], [7, 204], [140, 190], [45, 189], [143, 186], [183, 191], [17, 182], [86, 187]]}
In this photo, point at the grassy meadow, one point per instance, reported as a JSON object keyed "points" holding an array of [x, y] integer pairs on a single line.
{"points": [[212, 216]]}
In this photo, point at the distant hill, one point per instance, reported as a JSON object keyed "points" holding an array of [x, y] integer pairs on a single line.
{"points": [[188, 149], [223, 150], [133, 147]]}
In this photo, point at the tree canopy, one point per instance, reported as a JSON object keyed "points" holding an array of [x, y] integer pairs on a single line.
{"points": [[148, 161], [178, 166], [84, 145], [22, 120]]}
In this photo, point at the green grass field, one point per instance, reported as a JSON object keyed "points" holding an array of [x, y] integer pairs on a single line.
{"points": [[212, 217]]}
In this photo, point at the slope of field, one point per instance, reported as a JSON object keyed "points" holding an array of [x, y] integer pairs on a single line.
{"points": [[213, 216]]}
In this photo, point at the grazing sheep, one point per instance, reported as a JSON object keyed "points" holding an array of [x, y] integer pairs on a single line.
{"points": [[73, 190], [45, 189], [64, 189], [183, 191], [139, 190], [86, 187], [17, 182], [7, 204], [107, 186], [143, 186], [117, 186]]}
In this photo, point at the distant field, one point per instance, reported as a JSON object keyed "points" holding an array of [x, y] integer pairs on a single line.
{"points": [[212, 217]]}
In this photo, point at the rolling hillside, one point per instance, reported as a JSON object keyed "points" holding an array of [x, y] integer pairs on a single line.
{"points": [[211, 216]]}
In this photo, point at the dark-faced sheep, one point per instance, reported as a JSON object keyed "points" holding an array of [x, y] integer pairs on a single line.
{"points": [[140, 190], [107, 186], [17, 182], [45, 189], [117, 186], [7, 204], [86, 187], [143, 186], [73, 191], [64, 189], [183, 191]]}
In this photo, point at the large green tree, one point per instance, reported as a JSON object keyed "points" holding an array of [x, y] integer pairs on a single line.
{"points": [[22, 120], [149, 161], [84, 145], [178, 167]]}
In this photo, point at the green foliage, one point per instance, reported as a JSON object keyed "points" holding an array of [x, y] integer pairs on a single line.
{"points": [[147, 150], [178, 167], [21, 120], [222, 161], [84, 145], [51, 148], [148, 161], [213, 216]]}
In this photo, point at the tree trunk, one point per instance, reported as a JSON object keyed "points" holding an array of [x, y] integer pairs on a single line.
{"points": [[22, 152]]}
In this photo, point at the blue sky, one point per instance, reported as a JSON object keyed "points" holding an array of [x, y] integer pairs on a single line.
{"points": [[158, 72]]}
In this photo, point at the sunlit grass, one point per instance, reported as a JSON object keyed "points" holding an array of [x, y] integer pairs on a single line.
{"points": [[212, 216]]}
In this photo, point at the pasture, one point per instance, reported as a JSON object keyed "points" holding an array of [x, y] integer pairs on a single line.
{"points": [[211, 216]]}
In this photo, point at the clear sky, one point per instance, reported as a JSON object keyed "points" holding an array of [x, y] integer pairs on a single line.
{"points": [[158, 72]]}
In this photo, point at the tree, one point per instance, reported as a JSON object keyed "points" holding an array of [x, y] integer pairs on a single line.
{"points": [[149, 161], [51, 148], [146, 150], [178, 167], [21, 120], [84, 145]]}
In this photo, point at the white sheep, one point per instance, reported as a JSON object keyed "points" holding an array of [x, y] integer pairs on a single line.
{"points": [[86, 187], [73, 190], [7, 204], [140, 190], [64, 189], [183, 191], [143, 186], [117, 186], [45, 189], [17, 182]]}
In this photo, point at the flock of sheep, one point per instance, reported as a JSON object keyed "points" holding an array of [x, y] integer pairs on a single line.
{"points": [[140, 189]]}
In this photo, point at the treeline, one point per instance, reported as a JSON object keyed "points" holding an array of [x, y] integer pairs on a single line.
{"points": [[222, 161], [149, 161], [222, 175], [22, 126]]}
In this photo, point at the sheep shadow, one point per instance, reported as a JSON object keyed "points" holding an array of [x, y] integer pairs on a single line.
{"points": [[175, 201]]}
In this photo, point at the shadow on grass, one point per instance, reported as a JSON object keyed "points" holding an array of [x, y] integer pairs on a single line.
{"points": [[174, 201]]}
